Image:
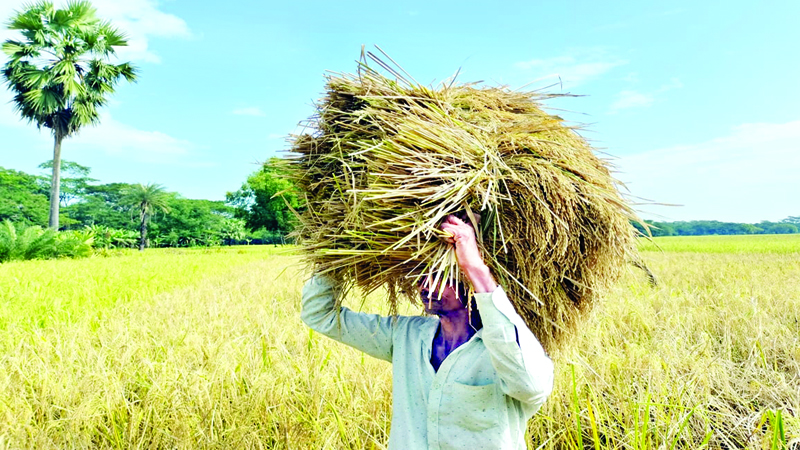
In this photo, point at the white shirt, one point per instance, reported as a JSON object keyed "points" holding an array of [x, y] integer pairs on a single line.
{"points": [[483, 393]]}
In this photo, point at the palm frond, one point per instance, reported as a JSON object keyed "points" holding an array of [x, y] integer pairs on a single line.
{"points": [[8, 240], [47, 70]]}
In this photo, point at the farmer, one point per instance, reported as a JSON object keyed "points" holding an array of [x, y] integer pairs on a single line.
{"points": [[459, 382]]}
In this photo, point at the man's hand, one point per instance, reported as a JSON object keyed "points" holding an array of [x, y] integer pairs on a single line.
{"points": [[462, 235]]}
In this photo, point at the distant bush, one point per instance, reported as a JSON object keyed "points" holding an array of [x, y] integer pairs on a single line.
{"points": [[22, 242], [108, 238], [268, 237]]}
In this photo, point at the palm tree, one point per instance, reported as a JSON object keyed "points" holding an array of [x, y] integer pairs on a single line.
{"points": [[146, 200], [60, 72]]}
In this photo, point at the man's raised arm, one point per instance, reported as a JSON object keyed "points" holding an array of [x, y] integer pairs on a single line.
{"points": [[370, 333], [524, 370]]}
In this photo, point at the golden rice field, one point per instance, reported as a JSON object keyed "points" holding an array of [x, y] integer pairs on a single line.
{"points": [[205, 349]]}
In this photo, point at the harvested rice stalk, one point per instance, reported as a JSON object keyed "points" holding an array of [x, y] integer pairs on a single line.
{"points": [[387, 160]]}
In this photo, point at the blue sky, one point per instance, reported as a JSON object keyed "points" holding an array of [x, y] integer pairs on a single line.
{"points": [[696, 101]]}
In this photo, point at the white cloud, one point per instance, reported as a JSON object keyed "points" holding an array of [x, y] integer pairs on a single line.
{"points": [[110, 136], [573, 69], [632, 77], [249, 111], [748, 175], [116, 138], [138, 19], [674, 83], [634, 99]]}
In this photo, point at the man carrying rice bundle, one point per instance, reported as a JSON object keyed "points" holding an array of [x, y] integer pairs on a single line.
{"points": [[463, 378], [386, 166]]}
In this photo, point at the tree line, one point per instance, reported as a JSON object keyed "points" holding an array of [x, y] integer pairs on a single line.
{"points": [[121, 214], [790, 225]]}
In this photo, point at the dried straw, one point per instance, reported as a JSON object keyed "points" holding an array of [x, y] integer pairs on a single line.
{"points": [[389, 159]]}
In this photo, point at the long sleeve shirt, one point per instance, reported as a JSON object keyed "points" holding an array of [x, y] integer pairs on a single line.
{"points": [[484, 391]]}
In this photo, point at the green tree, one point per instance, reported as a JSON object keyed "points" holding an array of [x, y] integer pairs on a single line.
{"points": [[792, 219], [191, 222], [146, 200], [102, 205], [74, 185], [655, 229], [60, 72], [778, 228], [267, 198], [22, 198], [232, 230]]}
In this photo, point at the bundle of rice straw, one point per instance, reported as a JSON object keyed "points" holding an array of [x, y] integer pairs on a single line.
{"points": [[389, 159]]}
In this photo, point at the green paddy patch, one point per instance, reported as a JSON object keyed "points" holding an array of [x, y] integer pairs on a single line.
{"points": [[766, 243], [41, 293]]}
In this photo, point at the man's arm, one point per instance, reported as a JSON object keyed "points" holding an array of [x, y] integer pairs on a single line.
{"points": [[524, 370], [370, 333]]}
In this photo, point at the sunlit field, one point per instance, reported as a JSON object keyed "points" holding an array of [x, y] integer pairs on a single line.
{"points": [[205, 349], [774, 243]]}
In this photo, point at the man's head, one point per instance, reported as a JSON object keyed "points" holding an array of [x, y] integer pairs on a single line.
{"points": [[450, 301], [439, 300]]}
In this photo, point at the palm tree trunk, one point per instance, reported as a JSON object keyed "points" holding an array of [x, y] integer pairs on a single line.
{"points": [[55, 181], [142, 232]]}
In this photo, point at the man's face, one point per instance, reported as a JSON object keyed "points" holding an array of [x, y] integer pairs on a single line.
{"points": [[437, 304]]}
